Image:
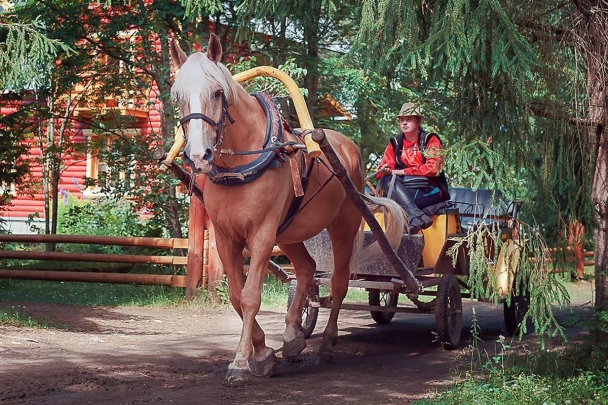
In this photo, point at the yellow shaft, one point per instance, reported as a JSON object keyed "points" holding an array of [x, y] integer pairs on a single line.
{"points": [[298, 100]]}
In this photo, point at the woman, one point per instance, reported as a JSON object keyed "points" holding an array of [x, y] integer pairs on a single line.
{"points": [[413, 152]]}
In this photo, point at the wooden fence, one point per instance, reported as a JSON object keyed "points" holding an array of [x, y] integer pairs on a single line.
{"points": [[576, 255], [197, 260], [99, 277]]}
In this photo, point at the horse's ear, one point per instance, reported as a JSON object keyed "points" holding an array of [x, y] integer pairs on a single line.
{"points": [[214, 48], [178, 56]]}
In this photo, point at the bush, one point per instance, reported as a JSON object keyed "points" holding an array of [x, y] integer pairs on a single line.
{"points": [[102, 216]]}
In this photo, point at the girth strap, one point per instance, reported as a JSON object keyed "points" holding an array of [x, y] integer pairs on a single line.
{"points": [[296, 203]]}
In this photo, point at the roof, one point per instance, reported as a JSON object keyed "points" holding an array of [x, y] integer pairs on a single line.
{"points": [[330, 107]]}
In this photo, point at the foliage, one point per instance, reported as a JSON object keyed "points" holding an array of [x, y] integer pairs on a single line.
{"points": [[527, 256], [13, 146], [594, 350], [24, 50], [504, 79], [108, 63], [505, 376], [102, 216]]}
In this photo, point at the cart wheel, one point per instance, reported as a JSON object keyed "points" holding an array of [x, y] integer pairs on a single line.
{"points": [[514, 314], [383, 299], [448, 312], [309, 314]]}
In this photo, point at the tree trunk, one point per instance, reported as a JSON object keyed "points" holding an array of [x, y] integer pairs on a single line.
{"points": [[167, 125], [596, 47], [600, 200], [311, 39]]}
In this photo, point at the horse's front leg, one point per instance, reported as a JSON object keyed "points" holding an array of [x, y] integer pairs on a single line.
{"points": [[246, 299], [294, 340]]}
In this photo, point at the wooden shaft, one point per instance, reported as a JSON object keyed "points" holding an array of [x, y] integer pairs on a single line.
{"points": [[410, 281], [196, 234]]}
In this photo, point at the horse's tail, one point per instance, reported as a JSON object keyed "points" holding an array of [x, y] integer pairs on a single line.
{"points": [[396, 222]]}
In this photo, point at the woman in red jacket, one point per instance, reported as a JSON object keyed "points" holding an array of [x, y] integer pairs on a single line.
{"points": [[413, 152]]}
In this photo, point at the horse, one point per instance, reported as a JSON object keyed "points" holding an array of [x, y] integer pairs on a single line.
{"points": [[250, 199]]}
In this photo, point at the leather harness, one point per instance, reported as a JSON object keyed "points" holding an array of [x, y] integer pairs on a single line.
{"points": [[270, 155]]}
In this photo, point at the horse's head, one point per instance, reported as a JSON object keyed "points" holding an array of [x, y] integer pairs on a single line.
{"points": [[203, 88]]}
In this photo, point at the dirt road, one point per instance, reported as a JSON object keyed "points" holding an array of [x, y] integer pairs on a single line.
{"points": [[148, 355]]}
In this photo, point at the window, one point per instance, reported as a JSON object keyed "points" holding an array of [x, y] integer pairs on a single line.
{"points": [[99, 166]]}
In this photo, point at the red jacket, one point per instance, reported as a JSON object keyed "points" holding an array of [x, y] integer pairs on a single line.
{"points": [[413, 158]]}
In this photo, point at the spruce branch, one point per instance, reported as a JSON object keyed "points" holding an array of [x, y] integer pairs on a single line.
{"points": [[26, 51]]}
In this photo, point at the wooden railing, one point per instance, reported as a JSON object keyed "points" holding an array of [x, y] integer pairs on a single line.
{"points": [[193, 276], [99, 277]]}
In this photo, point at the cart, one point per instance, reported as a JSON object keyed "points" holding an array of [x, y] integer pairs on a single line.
{"points": [[428, 253]]}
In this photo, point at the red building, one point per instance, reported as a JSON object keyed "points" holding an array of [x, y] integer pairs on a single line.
{"points": [[28, 199]]}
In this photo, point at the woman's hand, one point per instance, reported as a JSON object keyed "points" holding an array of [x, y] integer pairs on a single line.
{"points": [[386, 169]]}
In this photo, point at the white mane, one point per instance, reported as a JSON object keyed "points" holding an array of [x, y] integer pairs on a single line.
{"points": [[196, 72]]}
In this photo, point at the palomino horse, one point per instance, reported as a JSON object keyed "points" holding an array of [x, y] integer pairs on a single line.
{"points": [[249, 196]]}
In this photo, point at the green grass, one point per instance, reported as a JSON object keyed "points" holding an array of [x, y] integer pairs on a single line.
{"points": [[274, 295], [572, 375], [90, 294], [12, 315], [525, 389]]}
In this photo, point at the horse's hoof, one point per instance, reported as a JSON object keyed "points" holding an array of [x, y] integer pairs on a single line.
{"points": [[236, 377], [325, 357], [294, 347], [266, 367]]}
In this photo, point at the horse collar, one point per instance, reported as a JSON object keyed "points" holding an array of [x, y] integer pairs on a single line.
{"points": [[244, 174]]}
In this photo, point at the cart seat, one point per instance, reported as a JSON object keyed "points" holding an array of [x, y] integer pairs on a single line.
{"points": [[479, 206], [439, 208]]}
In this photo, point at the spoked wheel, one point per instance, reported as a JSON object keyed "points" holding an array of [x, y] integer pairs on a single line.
{"points": [[514, 313], [309, 313], [448, 312], [383, 299]]}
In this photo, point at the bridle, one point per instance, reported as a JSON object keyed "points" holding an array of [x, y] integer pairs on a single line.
{"points": [[219, 126]]}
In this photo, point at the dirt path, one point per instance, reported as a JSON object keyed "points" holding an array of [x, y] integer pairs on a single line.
{"points": [[148, 355]]}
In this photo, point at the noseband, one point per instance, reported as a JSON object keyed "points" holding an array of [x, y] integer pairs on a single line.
{"points": [[219, 126]]}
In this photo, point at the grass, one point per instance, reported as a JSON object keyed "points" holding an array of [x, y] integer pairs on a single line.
{"points": [[90, 294], [524, 377], [274, 296], [526, 389], [571, 375], [12, 316]]}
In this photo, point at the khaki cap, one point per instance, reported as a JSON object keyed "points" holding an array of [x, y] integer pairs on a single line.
{"points": [[408, 109]]}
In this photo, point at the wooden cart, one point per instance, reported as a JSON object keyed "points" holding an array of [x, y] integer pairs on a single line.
{"points": [[443, 277]]}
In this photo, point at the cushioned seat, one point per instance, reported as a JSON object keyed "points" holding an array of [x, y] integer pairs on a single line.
{"points": [[475, 206]]}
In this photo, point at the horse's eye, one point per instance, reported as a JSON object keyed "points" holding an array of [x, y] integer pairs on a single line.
{"points": [[218, 94]]}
